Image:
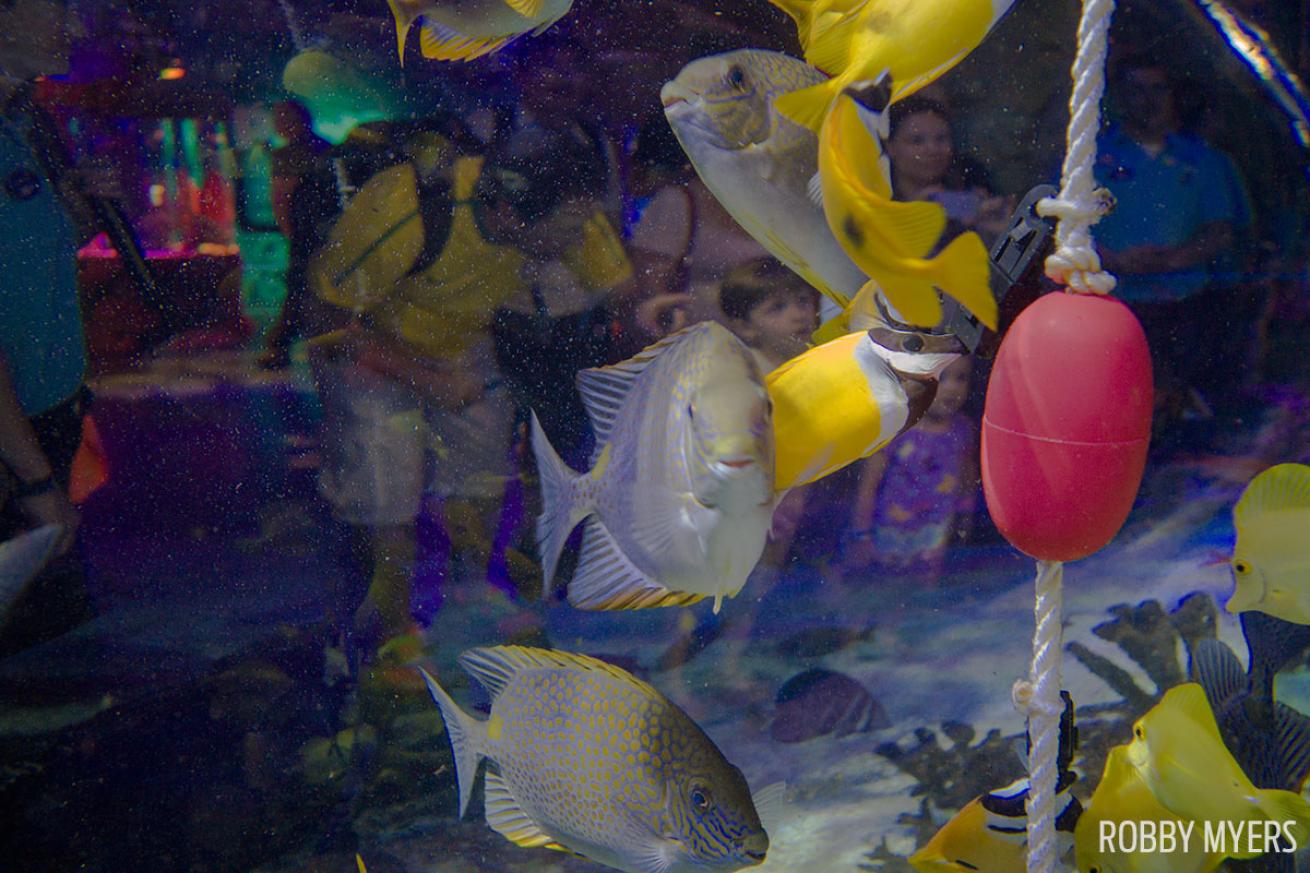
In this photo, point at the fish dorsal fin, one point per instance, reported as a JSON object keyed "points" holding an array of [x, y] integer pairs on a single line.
{"points": [[1216, 669], [442, 43], [497, 666], [606, 579], [769, 802], [1189, 701], [509, 820], [526, 8], [1286, 486], [604, 389], [1293, 746]]}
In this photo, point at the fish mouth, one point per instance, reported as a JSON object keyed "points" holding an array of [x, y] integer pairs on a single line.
{"points": [[672, 93]]}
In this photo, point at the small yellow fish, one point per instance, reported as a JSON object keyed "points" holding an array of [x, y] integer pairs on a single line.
{"points": [[1271, 560], [914, 41], [837, 403], [888, 239], [359, 862], [1121, 796], [461, 30], [1178, 752], [964, 844], [990, 834], [591, 760]]}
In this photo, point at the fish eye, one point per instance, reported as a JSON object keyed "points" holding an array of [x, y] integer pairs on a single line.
{"points": [[1241, 568], [700, 798], [737, 77], [1139, 732], [691, 412]]}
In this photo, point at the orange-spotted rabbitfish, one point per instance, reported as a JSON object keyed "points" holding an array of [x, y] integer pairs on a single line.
{"points": [[679, 497], [588, 759]]}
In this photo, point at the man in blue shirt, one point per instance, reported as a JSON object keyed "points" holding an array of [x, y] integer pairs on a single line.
{"points": [[42, 351], [1179, 207]]}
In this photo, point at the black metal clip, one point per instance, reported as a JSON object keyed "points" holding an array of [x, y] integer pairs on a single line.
{"points": [[1012, 256]]}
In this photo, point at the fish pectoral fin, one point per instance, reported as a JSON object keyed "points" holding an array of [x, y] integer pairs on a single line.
{"points": [[526, 8], [808, 106], [442, 43], [509, 820], [607, 579]]}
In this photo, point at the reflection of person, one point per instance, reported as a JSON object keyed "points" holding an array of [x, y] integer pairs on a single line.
{"points": [[42, 352], [925, 166], [1178, 205], [918, 495], [771, 309], [304, 194]]}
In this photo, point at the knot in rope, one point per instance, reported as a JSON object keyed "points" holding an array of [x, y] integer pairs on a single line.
{"points": [[1075, 263], [1022, 696]]}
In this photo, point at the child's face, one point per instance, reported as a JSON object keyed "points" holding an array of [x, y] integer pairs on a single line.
{"points": [[782, 323], [952, 389]]}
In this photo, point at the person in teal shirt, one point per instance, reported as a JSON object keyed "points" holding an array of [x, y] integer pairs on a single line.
{"points": [[42, 350]]}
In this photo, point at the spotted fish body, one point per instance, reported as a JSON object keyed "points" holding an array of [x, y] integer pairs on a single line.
{"points": [[679, 498], [591, 760], [758, 164]]}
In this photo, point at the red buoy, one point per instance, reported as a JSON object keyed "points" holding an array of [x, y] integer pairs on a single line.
{"points": [[1067, 425]]}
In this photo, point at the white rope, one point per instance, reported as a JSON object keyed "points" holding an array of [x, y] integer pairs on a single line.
{"points": [[1075, 263], [1039, 698]]}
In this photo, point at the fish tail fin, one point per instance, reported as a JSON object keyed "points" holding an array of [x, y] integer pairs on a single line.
{"points": [[404, 21], [560, 512], [962, 270], [468, 739], [1287, 806], [808, 106]]}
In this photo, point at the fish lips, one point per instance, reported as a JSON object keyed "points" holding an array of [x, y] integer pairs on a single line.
{"points": [[693, 126]]}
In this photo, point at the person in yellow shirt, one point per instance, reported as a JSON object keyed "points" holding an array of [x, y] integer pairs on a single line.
{"points": [[412, 391]]}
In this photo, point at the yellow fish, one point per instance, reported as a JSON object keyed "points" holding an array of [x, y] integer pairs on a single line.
{"points": [[591, 760], [888, 239], [1178, 752], [1271, 561], [837, 403], [991, 833], [914, 41], [461, 30], [1121, 796]]}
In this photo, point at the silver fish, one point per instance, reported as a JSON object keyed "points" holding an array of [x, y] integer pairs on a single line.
{"points": [[680, 494], [757, 163], [591, 760]]}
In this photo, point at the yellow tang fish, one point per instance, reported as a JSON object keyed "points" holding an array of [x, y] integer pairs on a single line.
{"points": [[914, 41], [1271, 560], [461, 30], [679, 498], [589, 759], [839, 402], [1121, 796], [1178, 752], [888, 239]]}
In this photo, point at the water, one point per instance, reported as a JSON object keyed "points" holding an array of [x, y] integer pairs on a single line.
{"points": [[204, 685]]}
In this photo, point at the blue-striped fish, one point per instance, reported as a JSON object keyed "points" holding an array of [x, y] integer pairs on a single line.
{"points": [[591, 760], [679, 497]]}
